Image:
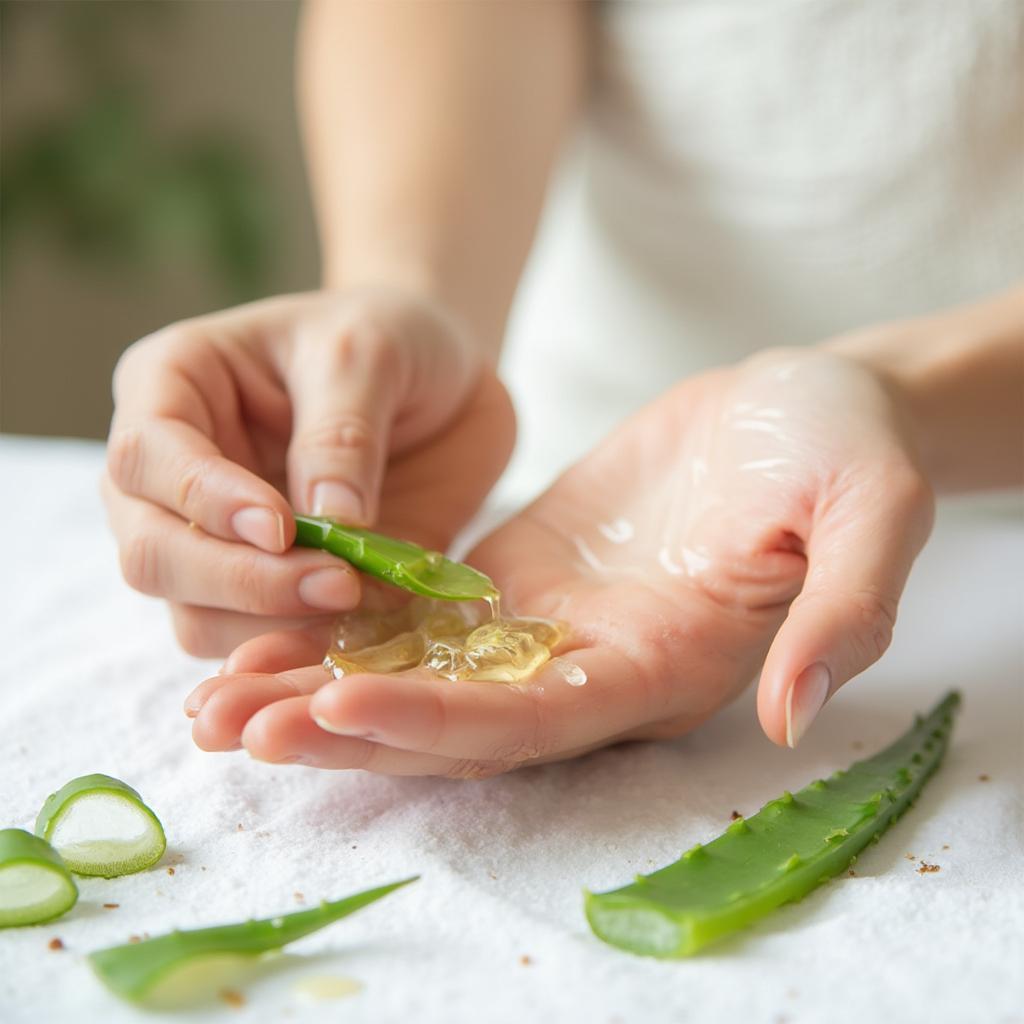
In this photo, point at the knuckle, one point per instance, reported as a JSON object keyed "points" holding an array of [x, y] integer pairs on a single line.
{"points": [[368, 344], [249, 591], [515, 752], [172, 340], [909, 490], [124, 458], [190, 485], [192, 628], [141, 562], [351, 433], [877, 619], [124, 366], [472, 769]]}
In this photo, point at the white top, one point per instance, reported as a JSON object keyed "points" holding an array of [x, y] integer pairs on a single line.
{"points": [[765, 172]]}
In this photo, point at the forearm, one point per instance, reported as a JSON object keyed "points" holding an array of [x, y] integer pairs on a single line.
{"points": [[960, 374], [431, 128]]}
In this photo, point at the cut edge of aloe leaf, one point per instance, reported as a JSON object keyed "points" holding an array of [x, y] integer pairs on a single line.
{"points": [[398, 562], [72, 821], [790, 847], [149, 972], [26, 863]]}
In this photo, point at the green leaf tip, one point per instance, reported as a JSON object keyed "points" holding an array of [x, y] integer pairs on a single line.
{"points": [[725, 885]]}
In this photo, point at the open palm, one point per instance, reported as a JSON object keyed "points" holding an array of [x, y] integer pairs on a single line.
{"points": [[674, 551]]}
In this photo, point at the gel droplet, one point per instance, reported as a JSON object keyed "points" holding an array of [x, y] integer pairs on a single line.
{"points": [[319, 988], [572, 673], [618, 532]]}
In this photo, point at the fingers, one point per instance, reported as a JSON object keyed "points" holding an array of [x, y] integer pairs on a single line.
{"points": [[221, 706], [488, 721], [283, 732], [173, 464], [280, 651], [269, 716], [345, 390], [214, 633], [859, 554], [162, 556]]}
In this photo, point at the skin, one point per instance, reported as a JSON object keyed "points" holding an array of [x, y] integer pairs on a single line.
{"points": [[789, 477], [793, 548], [228, 414]]}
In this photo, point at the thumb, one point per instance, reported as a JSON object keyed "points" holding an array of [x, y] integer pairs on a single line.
{"points": [[859, 554], [344, 393]]}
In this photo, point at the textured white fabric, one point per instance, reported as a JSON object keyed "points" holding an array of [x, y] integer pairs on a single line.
{"points": [[765, 172], [91, 681]]}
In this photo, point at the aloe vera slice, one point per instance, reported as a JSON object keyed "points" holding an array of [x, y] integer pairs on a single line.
{"points": [[181, 966], [100, 826], [398, 562], [791, 846], [35, 884]]}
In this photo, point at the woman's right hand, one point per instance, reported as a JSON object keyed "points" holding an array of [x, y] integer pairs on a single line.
{"points": [[372, 407]]}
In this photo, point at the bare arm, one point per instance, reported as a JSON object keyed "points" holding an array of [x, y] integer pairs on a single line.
{"points": [[961, 375], [431, 128]]}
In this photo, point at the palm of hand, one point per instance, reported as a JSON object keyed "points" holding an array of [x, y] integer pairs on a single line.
{"points": [[673, 551]]}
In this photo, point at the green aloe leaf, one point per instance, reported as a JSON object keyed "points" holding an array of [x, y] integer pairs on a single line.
{"points": [[177, 968], [398, 562], [791, 846]]}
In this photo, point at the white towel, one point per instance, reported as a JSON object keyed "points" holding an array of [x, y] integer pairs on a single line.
{"points": [[92, 681]]}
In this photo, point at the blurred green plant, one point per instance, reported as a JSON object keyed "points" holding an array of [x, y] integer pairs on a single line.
{"points": [[100, 180]]}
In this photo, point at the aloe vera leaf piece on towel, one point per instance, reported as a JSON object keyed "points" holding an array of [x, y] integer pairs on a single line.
{"points": [[101, 826], [35, 884], [176, 968], [791, 846]]}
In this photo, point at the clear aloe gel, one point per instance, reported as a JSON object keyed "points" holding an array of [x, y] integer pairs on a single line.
{"points": [[434, 631], [452, 641]]}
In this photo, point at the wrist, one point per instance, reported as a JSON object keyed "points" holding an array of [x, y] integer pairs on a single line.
{"points": [[421, 281], [957, 377]]}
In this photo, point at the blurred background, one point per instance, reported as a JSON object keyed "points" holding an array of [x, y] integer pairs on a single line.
{"points": [[150, 170]]}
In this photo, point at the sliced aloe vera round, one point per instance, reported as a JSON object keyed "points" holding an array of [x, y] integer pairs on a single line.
{"points": [[35, 884], [100, 826]]}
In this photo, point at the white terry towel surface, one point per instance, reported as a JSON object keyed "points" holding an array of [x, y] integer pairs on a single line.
{"points": [[92, 682]]}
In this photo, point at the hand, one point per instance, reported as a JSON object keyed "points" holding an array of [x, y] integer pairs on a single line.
{"points": [[371, 407], [774, 508]]}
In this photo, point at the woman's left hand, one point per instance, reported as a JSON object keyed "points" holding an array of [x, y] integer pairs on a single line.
{"points": [[766, 514]]}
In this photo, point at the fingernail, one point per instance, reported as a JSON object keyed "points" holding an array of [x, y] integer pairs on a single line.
{"points": [[338, 500], [336, 730], [193, 705], [331, 589], [260, 526], [805, 699], [293, 759]]}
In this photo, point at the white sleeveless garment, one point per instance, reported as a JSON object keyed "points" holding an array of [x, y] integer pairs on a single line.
{"points": [[763, 172]]}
